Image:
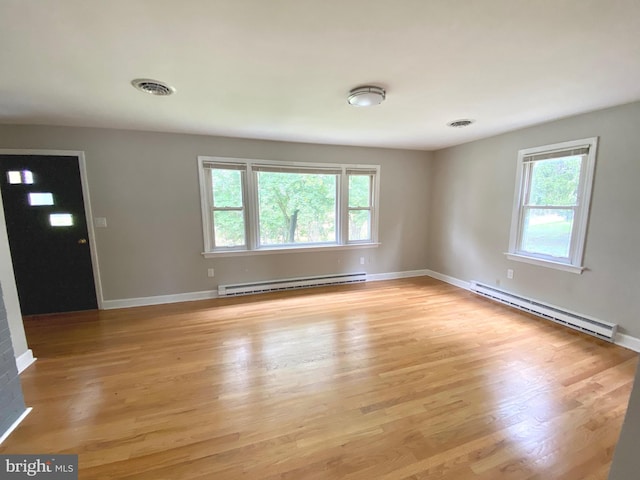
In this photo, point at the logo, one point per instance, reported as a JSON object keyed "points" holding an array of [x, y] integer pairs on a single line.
{"points": [[51, 467]]}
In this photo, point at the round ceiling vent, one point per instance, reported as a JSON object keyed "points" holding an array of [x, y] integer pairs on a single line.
{"points": [[460, 123], [154, 87]]}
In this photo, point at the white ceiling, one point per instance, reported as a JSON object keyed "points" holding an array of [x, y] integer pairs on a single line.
{"points": [[282, 69]]}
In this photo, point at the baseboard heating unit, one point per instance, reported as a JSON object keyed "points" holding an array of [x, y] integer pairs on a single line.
{"points": [[597, 328], [290, 284]]}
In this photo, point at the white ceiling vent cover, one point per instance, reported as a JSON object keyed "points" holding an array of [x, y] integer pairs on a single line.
{"points": [[464, 122], [154, 87]]}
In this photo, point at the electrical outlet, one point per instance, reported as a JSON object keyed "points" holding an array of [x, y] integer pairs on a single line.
{"points": [[510, 273], [361, 260], [210, 272]]}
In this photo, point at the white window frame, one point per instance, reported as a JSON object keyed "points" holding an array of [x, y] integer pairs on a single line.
{"points": [[207, 194], [373, 174], [574, 262], [250, 168]]}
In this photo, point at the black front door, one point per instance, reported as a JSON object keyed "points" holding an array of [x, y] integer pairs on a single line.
{"points": [[48, 236]]}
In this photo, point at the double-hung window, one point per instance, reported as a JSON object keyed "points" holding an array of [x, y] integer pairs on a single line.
{"points": [[551, 206], [360, 204], [226, 205], [259, 205]]}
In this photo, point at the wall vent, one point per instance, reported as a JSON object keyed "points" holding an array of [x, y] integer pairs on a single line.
{"points": [[592, 326], [290, 284]]}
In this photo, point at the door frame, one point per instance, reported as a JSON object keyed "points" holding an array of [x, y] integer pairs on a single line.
{"points": [[86, 200]]}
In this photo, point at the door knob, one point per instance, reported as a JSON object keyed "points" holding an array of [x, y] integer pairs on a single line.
{"points": [[82, 241]]}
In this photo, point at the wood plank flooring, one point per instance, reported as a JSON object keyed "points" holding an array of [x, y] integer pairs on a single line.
{"points": [[397, 380]]}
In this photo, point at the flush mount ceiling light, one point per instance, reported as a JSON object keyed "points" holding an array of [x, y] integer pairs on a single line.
{"points": [[366, 96], [154, 87], [460, 123]]}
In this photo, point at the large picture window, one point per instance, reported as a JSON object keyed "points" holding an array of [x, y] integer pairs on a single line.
{"points": [[253, 205], [551, 206]]}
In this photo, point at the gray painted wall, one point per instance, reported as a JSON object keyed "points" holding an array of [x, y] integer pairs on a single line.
{"points": [[11, 400], [470, 216], [448, 211], [146, 185]]}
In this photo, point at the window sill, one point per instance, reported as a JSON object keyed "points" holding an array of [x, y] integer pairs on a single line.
{"points": [[545, 263], [270, 251]]}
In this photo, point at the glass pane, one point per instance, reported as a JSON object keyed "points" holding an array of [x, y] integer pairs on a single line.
{"points": [[359, 225], [296, 208], [14, 177], [61, 219], [555, 181], [227, 188], [359, 190], [228, 228], [27, 177], [38, 199], [547, 232]]}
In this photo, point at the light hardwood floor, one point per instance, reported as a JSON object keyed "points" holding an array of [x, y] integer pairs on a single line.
{"points": [[405, 379]]}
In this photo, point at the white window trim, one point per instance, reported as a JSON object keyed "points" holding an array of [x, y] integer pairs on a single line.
{"points": [[251, 208], [286, 249], [574, 264], [371, 208]]}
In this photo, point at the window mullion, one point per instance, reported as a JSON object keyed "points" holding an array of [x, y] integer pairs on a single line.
{"points": [[252, 226], [343, 210]]}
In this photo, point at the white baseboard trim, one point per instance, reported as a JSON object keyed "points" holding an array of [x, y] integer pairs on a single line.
{"points": [[25, 360], [15, 424], [627, 341], [208, 294], [159, 300], [376, 277], [447, 279]]}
